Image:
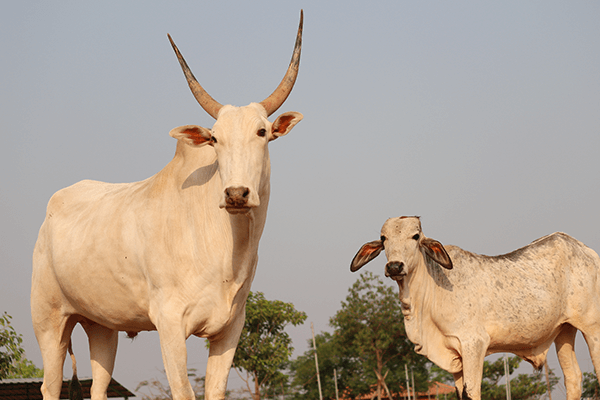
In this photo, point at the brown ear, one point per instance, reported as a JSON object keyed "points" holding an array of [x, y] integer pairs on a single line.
{"points": [[435, 250], [192, 135], [366, 253], [284, 123]]}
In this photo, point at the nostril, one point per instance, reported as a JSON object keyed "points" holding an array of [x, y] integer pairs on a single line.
{"points": [[237, 196]]}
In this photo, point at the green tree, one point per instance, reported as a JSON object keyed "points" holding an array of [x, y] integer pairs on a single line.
{"points": [[436, 374], [368, 348], [522, 387], [591, 389], [265, 348], [304, 370], [13, 363]]}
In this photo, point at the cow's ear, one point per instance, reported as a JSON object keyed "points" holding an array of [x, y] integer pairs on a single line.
{"points": [[435, 250], [192, 135], [366, 253], [284, 123]]}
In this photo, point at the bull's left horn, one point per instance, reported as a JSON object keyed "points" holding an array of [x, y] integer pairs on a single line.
{"points": [[276, 99], [210, 105]]}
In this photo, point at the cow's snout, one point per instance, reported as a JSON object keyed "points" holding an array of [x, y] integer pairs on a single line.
{"points": [[236, 199], [394, 269]]}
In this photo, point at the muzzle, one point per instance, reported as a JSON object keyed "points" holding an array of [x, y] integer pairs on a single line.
{"points": [[236, 199], [395, 270]]}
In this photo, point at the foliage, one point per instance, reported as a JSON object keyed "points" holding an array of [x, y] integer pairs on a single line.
{"points": [[523, 387], [591, 389], [25, 368], [436, 374], [13, 363], [10, 346], [368, 348], [265, 349], [159, 390]]}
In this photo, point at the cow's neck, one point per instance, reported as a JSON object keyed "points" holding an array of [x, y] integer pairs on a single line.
{"points": [[423, 297], [412, 289], [193, 174], [417, 296]]}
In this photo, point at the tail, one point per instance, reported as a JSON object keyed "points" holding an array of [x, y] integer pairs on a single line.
{"points": [[75, 392]]}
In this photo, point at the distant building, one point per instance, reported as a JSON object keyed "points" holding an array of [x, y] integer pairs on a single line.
{"points": [[436, 390], [29, 389]]}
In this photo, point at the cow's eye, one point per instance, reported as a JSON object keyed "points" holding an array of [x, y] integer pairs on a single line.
{"points": [[382, 238], [262, 132], [213, 139], [416, 237]]}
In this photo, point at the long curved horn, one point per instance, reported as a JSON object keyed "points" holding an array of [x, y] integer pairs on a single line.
{"points": [[210, 105], [276, 99]]}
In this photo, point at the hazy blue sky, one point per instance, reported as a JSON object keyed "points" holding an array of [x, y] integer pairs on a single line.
{"points": [[482, 117]]}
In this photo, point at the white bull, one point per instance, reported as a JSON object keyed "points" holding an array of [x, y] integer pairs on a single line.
{"points": [[175, 253], [459, 306]]}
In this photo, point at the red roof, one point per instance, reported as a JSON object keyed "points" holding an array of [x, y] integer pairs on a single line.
{"points": [[435, 389]]}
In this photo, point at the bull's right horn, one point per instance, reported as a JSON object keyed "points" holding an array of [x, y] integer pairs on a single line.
{"points": [[210, 105], [276, 99]]}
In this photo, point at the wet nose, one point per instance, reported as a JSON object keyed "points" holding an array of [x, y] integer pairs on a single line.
{"points": [[394, 268], [237, 196]]}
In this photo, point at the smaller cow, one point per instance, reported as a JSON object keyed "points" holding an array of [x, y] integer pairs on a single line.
{"points": [[459, 306]]}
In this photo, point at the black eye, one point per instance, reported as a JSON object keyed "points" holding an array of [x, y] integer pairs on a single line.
{"points": [[416, 237], [213, 139], [262, 132], [382, 238]]}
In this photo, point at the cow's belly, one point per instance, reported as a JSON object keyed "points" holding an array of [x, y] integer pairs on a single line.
{"points": [[517, 337], [531, 319], [117, 292], [117, 302]]}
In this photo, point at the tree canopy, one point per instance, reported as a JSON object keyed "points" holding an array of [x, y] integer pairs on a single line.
{"points": [[591, 389], [13, 363]]}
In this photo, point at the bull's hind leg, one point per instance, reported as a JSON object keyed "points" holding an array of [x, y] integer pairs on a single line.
{"points": [[591, 335], [103, 350], [53, 333], [565, 349]]}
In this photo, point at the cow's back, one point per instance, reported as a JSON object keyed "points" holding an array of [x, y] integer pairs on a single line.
{"points": [[527, 293]]}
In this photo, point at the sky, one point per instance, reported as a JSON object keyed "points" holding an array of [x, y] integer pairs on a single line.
{"points": [[481, 117]]}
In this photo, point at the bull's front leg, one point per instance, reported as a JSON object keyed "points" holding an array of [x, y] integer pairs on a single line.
{"points": [[458, 384], [473, 354], [170, 328], [220, 357]]}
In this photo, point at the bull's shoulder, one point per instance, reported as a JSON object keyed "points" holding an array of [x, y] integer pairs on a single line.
{"points": [[553, 238], [458, 254]]}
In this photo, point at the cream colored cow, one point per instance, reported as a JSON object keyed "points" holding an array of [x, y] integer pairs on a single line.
{"points": [[175, 253], [459, 306]]}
